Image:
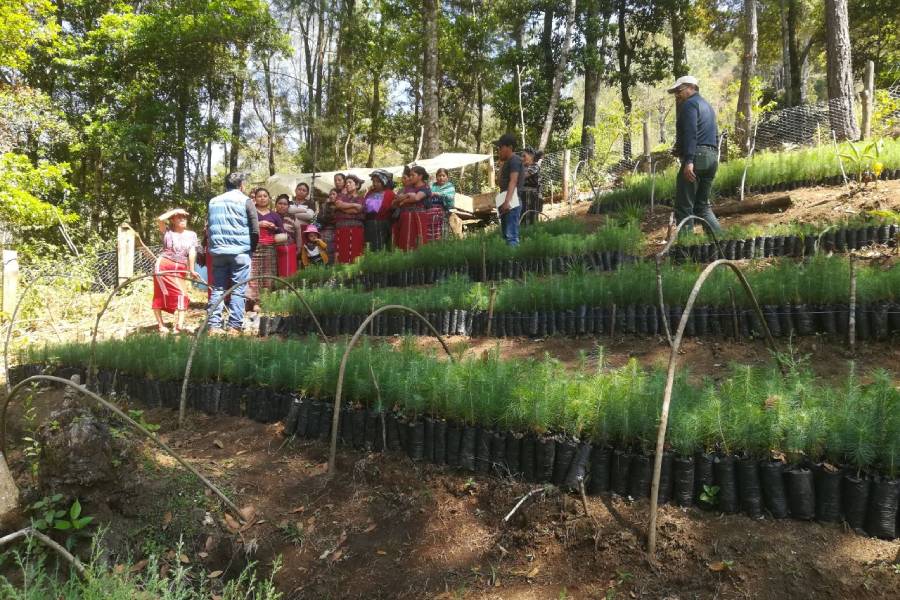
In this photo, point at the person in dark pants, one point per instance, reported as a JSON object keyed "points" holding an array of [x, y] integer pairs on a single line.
{"points": [[696, 145], [233, 229], [512, 177]]}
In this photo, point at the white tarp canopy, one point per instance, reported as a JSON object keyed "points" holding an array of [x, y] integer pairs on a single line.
{"points": [[284, 183]]}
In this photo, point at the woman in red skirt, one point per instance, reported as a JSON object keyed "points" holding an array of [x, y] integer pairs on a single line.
{"points": [[174, 264], [349, 215], [410, 230]]}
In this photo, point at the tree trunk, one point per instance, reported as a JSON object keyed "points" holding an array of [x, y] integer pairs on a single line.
{"points": [[237, 108], [624, 55], [796, 60], [180, 141], [743, 120], [374, 118], [679, 49], [431, 145], [661, 115], [786, 57], [479, 132], [270, 129], [558, 76], [840, 71], [549, 66], [594, 33]]}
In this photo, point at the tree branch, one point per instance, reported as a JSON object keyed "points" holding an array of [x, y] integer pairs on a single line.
{"points": [[31, 532]]}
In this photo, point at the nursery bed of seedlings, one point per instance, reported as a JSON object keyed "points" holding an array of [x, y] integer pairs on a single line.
{"points": [[756, 441], [802, 298], [768, 172], [564, 245]]}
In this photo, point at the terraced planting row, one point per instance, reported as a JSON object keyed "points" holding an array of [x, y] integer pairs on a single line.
{"points": [[564, 245], [768, 172], [803, 298], [757, 442]]}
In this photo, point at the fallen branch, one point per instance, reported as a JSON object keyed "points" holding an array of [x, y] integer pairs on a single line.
{"points": [[522, 501], [776, 204], [31, 532]]}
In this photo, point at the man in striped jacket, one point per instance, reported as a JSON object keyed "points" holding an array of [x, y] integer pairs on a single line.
{"points": [[233, 232]]}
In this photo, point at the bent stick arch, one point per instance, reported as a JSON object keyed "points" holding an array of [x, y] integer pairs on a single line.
{"points": [[662, 253], [110, 406], [109, 298], [182, 405], [335, 420], [12, 321], [670, 380]]}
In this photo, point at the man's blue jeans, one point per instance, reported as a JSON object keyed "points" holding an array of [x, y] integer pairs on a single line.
{"points": [[228, 269], [509, 225]]}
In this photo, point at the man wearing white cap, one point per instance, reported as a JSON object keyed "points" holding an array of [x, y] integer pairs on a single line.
{"points": [[696, 145]]}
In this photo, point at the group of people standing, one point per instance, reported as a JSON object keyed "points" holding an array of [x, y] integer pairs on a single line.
{"points": [[252, 240]]}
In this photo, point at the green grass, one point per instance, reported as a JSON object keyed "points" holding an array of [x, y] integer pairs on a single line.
{"points": [[39, 580], [820, 280], [766, 168], [748, 410]]}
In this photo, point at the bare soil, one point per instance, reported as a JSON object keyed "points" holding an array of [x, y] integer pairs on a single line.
{"points": [[385, 527]]}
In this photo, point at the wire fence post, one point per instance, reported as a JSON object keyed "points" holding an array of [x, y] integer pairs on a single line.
{"points": [[566, 168]]}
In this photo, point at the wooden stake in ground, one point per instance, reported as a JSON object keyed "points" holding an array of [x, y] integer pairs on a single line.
{"points": [[852, 325], [491, 308]]}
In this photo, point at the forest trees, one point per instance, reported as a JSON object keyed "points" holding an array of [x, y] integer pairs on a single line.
{"points": [[743, 124], [145, 104], [840, 70]]}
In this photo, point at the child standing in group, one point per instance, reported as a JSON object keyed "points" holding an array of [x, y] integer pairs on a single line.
{"points": [[314, 250]]}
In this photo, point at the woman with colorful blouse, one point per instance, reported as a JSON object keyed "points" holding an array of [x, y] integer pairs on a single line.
{"points": [[378, 202], [264, 259], [174, 264], [349, 218], [410, 230]]}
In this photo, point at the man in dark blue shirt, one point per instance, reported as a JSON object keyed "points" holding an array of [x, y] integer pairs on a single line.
{"points": [[696, 145], [512, 176]]}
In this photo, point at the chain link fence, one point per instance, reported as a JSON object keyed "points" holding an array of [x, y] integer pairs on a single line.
{"points": [[106, 270]]}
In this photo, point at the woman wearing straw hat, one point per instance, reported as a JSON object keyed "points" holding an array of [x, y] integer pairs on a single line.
{"points": [[177, 258]]}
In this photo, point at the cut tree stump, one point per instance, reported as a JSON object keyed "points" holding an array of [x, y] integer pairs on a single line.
{"points": [[777, 204]]}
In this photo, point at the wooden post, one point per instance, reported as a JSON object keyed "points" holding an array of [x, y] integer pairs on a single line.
{"points": [[646, 130], [10, 281], [566, 168], [612, 322], [491, 308], [852, 324], [492, 175], [125, 253], [734, 316], [868, 97]]}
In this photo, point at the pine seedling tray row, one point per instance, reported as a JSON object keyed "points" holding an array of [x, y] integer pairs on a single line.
{"points": [[768, 172], [770, 444], [798, 299], [545, 248]]}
